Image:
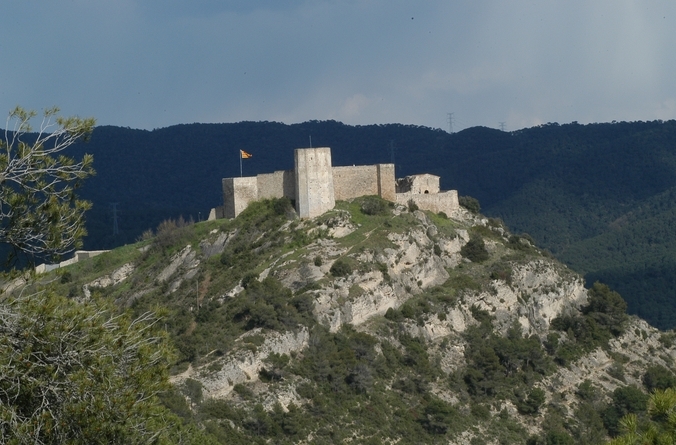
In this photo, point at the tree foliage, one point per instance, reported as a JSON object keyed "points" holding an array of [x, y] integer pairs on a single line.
{"points": [[76, 373], [39, 211], [658, 429], [475, 250]]}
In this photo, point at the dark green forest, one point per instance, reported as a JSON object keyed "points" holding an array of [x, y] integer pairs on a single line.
{"points": [[601, 197]]}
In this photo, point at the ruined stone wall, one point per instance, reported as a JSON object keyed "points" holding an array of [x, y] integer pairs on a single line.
{"points": [[279, 184], [238, 193], [446, 202], [424, 183], [314, 181]]}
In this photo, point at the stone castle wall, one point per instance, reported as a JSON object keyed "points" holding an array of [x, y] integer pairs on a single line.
{"points": [[316, 185], [352, 182], [446, 202], [277, 185], [238, 193], [386, 182], [421, 184], [314, 182]]}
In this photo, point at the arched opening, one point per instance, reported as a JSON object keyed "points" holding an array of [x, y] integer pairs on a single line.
{"points": [[426, 192]]}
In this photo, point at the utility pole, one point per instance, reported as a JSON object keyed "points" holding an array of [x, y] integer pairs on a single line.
{"points": [[450, 122], [502, 126]]}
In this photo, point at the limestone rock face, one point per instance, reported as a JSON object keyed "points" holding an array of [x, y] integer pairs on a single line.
{"points": [[403, 275], [243, 365], [116, 277], [185, 261]]}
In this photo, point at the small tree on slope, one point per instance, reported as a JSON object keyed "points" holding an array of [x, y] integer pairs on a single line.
{"points": [[39, 211]]}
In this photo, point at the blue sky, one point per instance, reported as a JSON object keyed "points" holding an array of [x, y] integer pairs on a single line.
{"points": [[154, 63]]}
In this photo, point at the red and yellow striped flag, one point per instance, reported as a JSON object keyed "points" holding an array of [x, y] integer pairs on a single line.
{"points": [[245, 155]]}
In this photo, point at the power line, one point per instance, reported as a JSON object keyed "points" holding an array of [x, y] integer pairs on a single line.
{"points": [[450, 122], [502, 126]]}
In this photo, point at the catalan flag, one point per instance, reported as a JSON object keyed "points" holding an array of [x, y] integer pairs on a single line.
{"points": [[245, 155]]}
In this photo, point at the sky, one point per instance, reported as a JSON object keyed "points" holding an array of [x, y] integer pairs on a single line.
{"points": [[449, 64]]}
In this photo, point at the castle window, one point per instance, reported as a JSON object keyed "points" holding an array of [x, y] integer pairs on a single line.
{"points": [[426, 192]]}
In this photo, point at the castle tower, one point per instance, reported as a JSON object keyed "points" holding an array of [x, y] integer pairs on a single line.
{"points": [[314, 181]]}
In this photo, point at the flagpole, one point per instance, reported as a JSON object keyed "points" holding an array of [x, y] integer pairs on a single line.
{"points": [[240, 163]]}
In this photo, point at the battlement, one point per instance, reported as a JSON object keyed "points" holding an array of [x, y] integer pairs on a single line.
{"points": [[315, 185]]}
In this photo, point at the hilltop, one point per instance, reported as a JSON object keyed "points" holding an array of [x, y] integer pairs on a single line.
{"points": [[380, 323], [600, 197]]}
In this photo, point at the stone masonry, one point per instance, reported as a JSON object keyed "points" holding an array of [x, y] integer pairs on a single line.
{"points": [[315, 185]]}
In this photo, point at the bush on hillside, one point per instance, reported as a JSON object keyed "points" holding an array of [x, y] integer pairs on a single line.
{"points": [[475, 250], [607, 308], [374, 205], [471, 204], [658, 377], [341, 268]]}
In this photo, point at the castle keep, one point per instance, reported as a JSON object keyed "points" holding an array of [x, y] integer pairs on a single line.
{"points": [[315, 185]]}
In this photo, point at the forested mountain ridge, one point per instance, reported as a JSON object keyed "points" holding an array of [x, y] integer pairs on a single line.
{"points": [[599, 196], [378, 323]]}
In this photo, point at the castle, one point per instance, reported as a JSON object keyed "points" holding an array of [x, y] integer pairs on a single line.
{"points": [[315, 185]]}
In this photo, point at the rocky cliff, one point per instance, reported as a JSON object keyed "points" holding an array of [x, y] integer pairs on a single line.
{"points": [[376, 323]]}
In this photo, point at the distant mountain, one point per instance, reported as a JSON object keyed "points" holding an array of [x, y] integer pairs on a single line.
{"points": [[599, 196]]}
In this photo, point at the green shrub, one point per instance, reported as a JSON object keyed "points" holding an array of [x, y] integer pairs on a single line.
{"points": [[532, 403], [586, 391], [66, 277], [193, 389], [607, 308], [471, 204], [518, 243], [341, 268], [80, 372], [625, 400], [501, 271], [282, 206], [475, 250], [393, 315], [667, 339], [481, 315], [373, 205], [169, 232], [412, 206], [248, 279], [243, 391], [658, 377]]}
